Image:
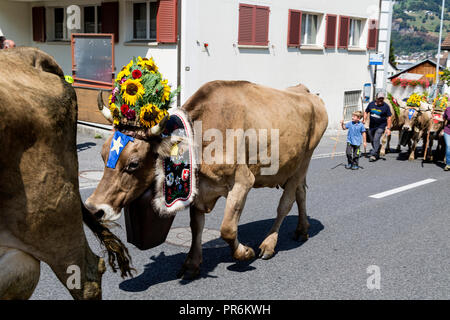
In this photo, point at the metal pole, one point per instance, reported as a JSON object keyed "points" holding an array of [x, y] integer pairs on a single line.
{"points": [[439, 51], [388, 44]]}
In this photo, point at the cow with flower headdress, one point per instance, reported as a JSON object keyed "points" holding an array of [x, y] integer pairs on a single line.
{"points": [[182, 160]]}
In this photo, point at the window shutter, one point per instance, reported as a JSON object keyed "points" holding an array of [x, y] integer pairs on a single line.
{"points": [[246, 21], [38, 17], [330, 34], [373, 35], [262, 26], [166, 21], [344, 27], [110, 19], [294, 24]]}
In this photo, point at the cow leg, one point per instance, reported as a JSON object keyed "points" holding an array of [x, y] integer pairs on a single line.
{"points": [[303, 225], [267, 247], [191, 266], [19, 274], [236, 198], [412, 154], [383, 145]]}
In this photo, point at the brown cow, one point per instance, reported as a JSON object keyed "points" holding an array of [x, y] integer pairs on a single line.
{"points": [[300, 118], [397, 121], [41, 213]]}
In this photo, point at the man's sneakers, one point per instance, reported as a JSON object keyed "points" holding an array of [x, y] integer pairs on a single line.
{"points": [[348, 166], [447, 168], [372, 159], [355, 167]]}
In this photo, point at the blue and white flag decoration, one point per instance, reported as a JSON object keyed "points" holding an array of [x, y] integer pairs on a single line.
{"points": [[118, 143], [411, 113]]}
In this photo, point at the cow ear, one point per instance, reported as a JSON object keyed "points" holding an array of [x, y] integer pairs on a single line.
{"points": [[171, 145]]}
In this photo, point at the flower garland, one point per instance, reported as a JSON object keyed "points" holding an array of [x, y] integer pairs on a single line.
{"points": [[140, 96], [394, 104]]}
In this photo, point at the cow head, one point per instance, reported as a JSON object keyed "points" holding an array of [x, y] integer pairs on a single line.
{"points": [[410, 118], [134, 171]]}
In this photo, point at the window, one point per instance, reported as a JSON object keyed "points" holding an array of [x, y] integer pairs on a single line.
{"points": [[373, 35], [253, 25], [309, 28], [295, 18], [144, 20], [351, 103], [330, 35], [354, 33], [90, 22]]}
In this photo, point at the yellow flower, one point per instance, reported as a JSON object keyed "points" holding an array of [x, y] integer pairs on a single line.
{"points": [[132, 90], [151, 115], [125, 72], [148, 64], [166, 91]]}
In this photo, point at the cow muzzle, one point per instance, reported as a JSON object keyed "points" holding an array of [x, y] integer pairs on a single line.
{"points": [[103, 211]]}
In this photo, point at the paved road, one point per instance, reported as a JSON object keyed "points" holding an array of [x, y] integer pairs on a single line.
{"points": [[405, 235]]}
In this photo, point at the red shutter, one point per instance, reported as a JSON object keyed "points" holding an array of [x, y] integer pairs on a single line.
{"points": [[166, 21], [262, 26], [373, 35], [344, 27], [330, 33], [110, 19], [246, 22], [38, 17], [294, 26]]}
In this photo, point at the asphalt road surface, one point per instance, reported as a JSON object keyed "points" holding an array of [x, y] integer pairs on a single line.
{"points": [[399, 240]]}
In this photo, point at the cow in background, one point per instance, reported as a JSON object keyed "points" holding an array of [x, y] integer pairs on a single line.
{"points": [[41, 212]]}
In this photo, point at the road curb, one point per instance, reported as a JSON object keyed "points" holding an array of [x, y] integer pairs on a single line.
{"points": [[94, 129]]}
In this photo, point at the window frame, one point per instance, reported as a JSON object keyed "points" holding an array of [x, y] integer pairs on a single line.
{"points": [[304, 36], [351, 30]]}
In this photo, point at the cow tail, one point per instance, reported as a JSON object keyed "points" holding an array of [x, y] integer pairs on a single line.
{"points": [[118, 256]]}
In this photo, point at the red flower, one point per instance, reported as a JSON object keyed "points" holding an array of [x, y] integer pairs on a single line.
{"points": [[124, 109], [136, 74], [131, 114]]}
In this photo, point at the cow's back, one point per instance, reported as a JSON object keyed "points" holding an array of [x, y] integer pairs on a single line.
{"points": [[299, 117], [38, 176]]}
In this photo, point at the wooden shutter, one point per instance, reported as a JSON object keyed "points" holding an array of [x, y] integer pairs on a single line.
{"points": [[344, 27], [246, 22], [166, 21], [38, 17], [294, 27], [330, 33], [261, 26], [110, 19], [373, 35]]}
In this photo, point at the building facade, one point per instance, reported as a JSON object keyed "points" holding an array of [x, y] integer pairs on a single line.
{"points": [[324, 45]]}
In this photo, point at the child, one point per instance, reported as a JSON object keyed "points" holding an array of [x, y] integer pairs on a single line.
{"points": [[355, 131]]}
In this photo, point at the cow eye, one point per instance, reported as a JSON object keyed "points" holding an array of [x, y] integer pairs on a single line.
{"points": [[133, 165]]}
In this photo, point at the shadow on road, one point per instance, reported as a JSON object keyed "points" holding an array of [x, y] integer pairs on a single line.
{"points": [[85, 146], [164, 268]]}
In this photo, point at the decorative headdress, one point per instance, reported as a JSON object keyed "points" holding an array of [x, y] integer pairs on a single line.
{"points": [[141, 97]]}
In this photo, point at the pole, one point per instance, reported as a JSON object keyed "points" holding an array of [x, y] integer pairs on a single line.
{"points": [[439, 50], [388, 43]]}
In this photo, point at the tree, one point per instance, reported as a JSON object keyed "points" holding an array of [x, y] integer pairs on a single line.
{"points": [[392, 55]]}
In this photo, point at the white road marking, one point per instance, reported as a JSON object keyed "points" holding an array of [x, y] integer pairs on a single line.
{"points": [[327, 155], [400, 189]]}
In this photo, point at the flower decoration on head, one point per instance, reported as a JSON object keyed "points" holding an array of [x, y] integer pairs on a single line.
{"points": [[414, 100], [141, 97]]}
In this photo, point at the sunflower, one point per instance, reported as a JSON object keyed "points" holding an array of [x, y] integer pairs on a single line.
{"points": [[125, 72], [148, 64], [151, 115], [132, 90], [166, 91]]}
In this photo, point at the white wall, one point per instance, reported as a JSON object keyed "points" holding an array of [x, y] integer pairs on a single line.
{"points": [[327, 72], [15, 21]]}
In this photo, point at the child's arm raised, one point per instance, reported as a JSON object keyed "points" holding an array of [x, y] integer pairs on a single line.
{"points": [[343, 125]]}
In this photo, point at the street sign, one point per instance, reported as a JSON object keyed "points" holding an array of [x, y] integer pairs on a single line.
{"points": [[376, 59]]}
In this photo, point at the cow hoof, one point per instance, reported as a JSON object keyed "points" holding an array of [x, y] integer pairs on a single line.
{"points": [[302, 236], [265, 254], [382, 154], [188, 273], [244, 253]]}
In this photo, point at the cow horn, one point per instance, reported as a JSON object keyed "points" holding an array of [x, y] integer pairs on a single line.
{"points": [[159, 128], [104, 110]]}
